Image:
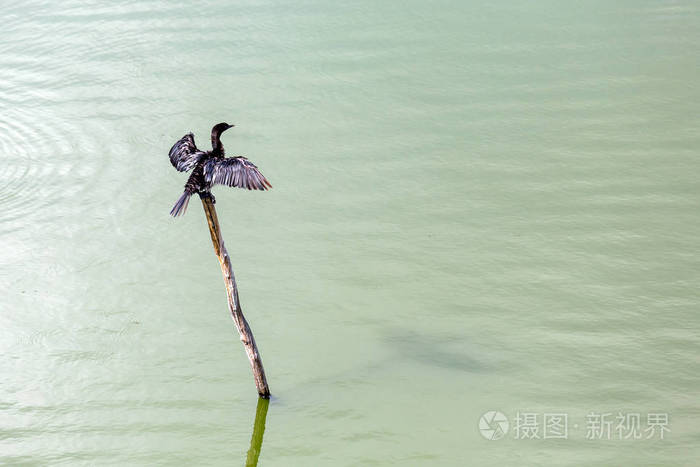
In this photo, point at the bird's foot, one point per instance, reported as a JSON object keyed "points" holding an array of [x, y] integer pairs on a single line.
{"points": [[207, 194]]}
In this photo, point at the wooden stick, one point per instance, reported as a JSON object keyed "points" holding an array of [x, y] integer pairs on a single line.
{"points": [[234, 304]]}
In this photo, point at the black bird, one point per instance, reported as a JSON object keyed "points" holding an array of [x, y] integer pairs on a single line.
{"points": [[212, 168]]}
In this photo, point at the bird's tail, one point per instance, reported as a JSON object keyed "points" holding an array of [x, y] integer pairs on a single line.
{"points": [[181, 206]]}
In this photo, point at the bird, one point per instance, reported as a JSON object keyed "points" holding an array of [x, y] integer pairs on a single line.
{"points": [[211, 168]]}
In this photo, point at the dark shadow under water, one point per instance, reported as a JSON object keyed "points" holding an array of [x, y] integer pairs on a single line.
{"points": [[258, 431]]}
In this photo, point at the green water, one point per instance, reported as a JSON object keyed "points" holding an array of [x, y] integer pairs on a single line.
{"points": [[477, 206]]}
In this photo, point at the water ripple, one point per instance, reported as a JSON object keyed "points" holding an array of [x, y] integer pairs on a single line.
{"points": [[40, 151]]}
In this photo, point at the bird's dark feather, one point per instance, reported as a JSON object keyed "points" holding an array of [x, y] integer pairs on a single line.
{"points": [[234, 171], [184, 154]]}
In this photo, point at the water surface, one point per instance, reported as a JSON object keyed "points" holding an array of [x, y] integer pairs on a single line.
{"points": [[476, 207]]}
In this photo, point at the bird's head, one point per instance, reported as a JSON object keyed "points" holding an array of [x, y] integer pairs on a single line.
{"points": [[220, 128], [216, 132]]}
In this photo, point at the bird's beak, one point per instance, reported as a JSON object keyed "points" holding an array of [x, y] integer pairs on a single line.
{"points": [[230, 126]]}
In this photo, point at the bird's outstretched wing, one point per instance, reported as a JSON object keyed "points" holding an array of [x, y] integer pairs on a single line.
{"points": [[235, 171], [184, 154]]}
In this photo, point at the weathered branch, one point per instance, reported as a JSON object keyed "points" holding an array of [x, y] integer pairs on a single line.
{"points": [[234, 304]]}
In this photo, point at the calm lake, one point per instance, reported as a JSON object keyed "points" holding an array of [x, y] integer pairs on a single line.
{"points": [[481, 247]]}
